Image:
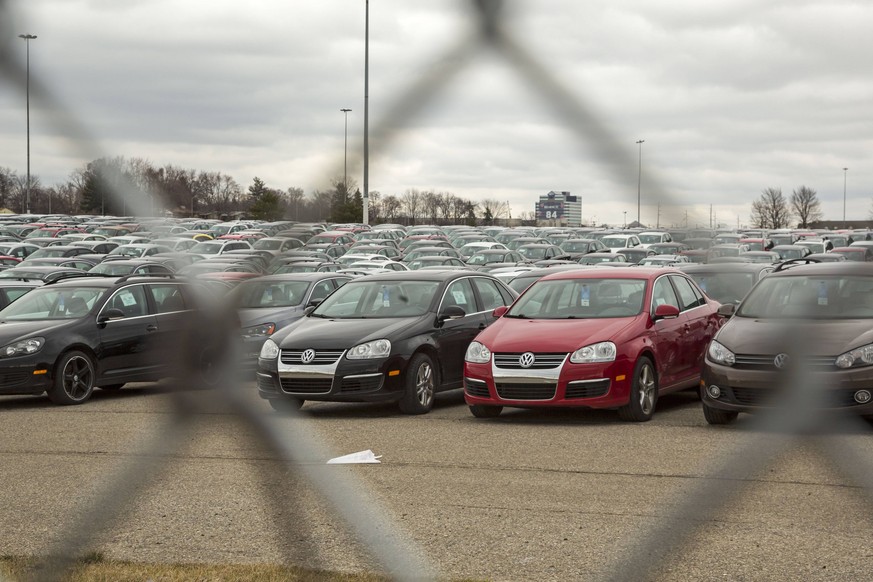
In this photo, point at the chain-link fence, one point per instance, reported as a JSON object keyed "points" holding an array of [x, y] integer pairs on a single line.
{"points": [[796, 419]]}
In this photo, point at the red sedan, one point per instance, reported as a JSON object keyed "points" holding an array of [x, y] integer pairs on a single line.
{"points": [[594, 338]]}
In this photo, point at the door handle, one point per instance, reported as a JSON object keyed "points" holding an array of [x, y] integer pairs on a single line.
{"points": [[151, 327]]}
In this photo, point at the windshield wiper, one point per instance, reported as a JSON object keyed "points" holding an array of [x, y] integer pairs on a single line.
{"points": [[519, 316]]}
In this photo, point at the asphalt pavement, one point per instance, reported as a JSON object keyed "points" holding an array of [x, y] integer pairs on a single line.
{"points": [[531, 495]]}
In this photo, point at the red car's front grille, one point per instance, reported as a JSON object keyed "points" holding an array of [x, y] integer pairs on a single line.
{"points": [[524, 391]]}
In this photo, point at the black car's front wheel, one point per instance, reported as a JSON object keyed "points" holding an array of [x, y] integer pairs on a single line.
{"points": [[74, 379], [419, 385]]}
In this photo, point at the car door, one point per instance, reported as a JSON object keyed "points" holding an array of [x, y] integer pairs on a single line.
{"points": [[698, 325], [173, 318], [490, 297], [666, 335], [454, 335], [127, 343]]}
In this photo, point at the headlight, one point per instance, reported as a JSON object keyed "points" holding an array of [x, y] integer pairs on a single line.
{"points": [[269, 350], [720, 354], [22, 348], [477, 354], [600, 352], [375, 349], [262, 330], [858, 357]]}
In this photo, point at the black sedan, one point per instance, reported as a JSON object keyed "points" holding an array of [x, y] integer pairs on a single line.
{"points": [[396, 337]]}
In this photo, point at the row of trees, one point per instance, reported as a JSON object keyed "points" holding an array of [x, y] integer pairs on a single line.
{"points": [[93, 189], [774, 210]]}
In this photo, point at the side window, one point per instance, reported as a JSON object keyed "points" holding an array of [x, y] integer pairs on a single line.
{"points": [[489, 293], [167, 298], [663, 294], [460, 294], [321, 290], [687, 296], [130, 300]]}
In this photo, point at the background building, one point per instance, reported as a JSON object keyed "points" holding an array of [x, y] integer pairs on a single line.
{"points": [[559, 209]]}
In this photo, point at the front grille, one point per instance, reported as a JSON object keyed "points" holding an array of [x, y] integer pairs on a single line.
{"points": [[476, 388], [322, 357], [766, 362], [523, 391], [839, 398], [307, 385], [364, 384], [541, 361], [587, 389], [10, 379]]}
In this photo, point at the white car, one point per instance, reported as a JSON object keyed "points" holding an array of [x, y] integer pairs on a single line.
{"points": [[470, 249], [614, 242], [653, 238]]}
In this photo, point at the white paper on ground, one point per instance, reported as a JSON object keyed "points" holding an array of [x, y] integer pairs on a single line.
{"points": [[359, 457]]}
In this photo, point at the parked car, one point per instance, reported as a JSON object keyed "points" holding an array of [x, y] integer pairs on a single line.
{"points": [[12, 290], [593, 338], [132, 266], [267, 304], [727, 282], [858, 253], [788, 252], [751, 354], [399, 337], [598, 258], [69, 337]]}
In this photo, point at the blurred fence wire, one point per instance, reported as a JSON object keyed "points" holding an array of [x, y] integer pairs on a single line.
{"points": [[285, 438]]}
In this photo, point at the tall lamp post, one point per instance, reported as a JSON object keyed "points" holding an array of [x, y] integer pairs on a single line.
{"points": [[639, 179], [27, 38], [346, 152], [366, 112], [844, 196]]}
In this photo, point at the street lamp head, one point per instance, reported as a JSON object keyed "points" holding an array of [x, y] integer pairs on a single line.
{"points": [[641, 141], [27, 36], [345, 110], [844, 169]]}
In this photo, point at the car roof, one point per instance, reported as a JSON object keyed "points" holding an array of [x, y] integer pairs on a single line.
{"points": [[722, 267], [427, 275], [612, 273], [844, 268], [299, 276]]}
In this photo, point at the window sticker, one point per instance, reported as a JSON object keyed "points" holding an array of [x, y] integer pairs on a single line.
{"points": [[460, 299], [822, 293], [127, 298], [386, 297], [585, 296]]}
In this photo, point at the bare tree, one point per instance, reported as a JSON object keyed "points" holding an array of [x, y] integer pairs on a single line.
{"points": [[295, 200], [8, 180], [493, 210], [390, 207], [805, 204], [771, 210], [411, 202]]}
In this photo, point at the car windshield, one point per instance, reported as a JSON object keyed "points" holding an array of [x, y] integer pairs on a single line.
{"points": [[207, 248], [53, 303], [258, 294], [296, 268], [615, 242], [814, 297], [217, 231], [484, 259], [589, 260], [576, 246], [580, 299], [533, 252], [378, 299], [266, 244], [112, 268], [725, 287], [852, 255], [519, 284], [648, 239]]}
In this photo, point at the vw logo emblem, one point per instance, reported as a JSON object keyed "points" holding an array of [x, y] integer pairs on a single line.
{"points": [[526, 360], [780, 361], [307, 356]]}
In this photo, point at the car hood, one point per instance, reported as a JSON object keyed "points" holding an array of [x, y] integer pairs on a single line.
{"points": [[551, 335], [12, 332], [744, 335], [255, 316], [314, 332]]}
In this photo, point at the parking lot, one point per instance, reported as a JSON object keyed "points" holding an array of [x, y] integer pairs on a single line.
{"points": [[534, 494]]}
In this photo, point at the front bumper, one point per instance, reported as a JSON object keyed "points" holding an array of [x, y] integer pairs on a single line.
{"points": [[378, 380], [602, 385], [744, 390], [25, 375]]}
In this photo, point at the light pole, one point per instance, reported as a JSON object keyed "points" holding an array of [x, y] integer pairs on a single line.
{"points": [[346, 152], [27, 38], [625, 218], [639, 179], [366, 112], [844, 196]]}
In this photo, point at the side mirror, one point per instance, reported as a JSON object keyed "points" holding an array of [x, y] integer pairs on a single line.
{"points": [[499, 311], [450, 312], [313, 303], [727, 310], [309, 309], [110, 314], [666, 311]]}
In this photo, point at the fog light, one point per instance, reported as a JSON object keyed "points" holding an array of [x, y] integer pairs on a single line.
{"points": [[714, 392], [862, 396]]}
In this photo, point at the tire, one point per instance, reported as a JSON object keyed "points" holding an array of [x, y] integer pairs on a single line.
{"points": [[420, 385], [75, 374], [716, 416], [112, 387], [643, 393], [286, 404], [485, 411]]}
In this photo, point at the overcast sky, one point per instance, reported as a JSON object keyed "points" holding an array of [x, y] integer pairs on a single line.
{"points": [[731, 97]]}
